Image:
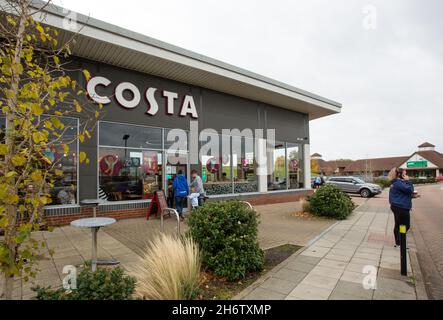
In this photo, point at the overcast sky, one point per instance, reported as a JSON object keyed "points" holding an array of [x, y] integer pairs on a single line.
{"points": [[389, 79]]}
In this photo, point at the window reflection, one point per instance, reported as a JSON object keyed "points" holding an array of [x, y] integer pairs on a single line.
{"points": [[130, 136], [294, 166], [130, 167], [129, 174], [2, 129], [276, 156], [64, 191], [216, 168], [245, 178]]}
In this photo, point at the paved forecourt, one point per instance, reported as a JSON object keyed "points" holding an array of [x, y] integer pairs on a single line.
{"points": [[354, 259]]}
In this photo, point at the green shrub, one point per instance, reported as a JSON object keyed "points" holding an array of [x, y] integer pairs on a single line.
{"points": [[424, 181], [329, 201], [227, 235], [104, 284], [383, 182]]}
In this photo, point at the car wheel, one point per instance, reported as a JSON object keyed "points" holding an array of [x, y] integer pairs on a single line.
{"points": [[365, 193]]}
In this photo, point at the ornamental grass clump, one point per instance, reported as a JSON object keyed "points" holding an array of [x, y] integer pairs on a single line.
{"points": [[169, 270], [329, 201], [227, 234]]}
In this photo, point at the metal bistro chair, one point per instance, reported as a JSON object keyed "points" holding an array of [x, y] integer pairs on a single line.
{"points": [[248, 204], [169, 211]]}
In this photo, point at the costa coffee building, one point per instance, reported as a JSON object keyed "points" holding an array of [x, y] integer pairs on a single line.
{"points": [[148, 88]]}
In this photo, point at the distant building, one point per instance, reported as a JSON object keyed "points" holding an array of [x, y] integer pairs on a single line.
{"points": [[426, 162]]}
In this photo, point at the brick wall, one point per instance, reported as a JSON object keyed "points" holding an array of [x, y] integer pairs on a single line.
{"points": [[64, 216], [60, 220]]}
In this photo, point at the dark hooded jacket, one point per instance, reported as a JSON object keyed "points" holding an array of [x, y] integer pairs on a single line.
{"points": [[400, 194]]}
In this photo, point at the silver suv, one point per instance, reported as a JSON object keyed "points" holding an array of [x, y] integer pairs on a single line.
{"points": [[355, 185]]}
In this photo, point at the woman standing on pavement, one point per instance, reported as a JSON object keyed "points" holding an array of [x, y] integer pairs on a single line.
{"points": [[400, 199]]}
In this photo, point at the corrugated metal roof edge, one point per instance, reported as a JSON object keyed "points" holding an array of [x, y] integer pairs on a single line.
{"points": [[105, 26]]}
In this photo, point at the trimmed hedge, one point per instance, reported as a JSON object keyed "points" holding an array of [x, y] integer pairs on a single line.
{"points": [[227, 235], [424, 181], [329, 201]]}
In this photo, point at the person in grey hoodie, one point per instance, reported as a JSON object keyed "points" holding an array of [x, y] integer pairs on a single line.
{"points": [[197, 185]]}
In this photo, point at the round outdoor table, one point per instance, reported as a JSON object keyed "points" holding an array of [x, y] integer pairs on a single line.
{"points": [[94, 224]]}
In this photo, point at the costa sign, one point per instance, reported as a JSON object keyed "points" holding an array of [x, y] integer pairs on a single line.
{"points": [[187, 105]]}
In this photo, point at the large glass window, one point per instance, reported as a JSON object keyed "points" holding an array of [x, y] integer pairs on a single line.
{"points": [[129, 174], [130, 136], [285, 167], [245, 178], [216, 166], [65, 186], [294, 165], [2, 129], [130, 167], [276, 166]]}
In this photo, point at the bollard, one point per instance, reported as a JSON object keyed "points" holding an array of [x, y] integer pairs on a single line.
{"points": [[403, 251]]}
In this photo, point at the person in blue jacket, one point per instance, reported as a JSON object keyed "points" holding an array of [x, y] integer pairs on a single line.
{"points": [[180, 188], [400, 199]]}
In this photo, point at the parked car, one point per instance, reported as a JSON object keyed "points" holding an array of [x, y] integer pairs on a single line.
{"points": [[355, 185]]}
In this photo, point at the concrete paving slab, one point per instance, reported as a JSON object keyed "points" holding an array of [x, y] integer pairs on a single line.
{"points": [[308, 292], [279, 285], [352, 291], [265, 294], [327, 272], [289, 275], [320, 281], [299, 266]]}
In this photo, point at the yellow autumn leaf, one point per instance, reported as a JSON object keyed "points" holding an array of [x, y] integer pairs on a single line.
{"points": [[58, 173], [87, 74], [4, 222], [37, 137], [10, 174], [36, 109], [45, 200], [18, 160], [65, 149], [40, 28], [3, 149], [82, 157], [36, 176], [78, 107]]}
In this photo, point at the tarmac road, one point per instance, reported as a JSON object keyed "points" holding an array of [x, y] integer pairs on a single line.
{"points": [[427, 226]]}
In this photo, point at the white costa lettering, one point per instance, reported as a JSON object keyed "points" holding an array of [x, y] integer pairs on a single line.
{"points": [[170, 99], [153, 105], [92, 84], [187, 107], [127, 86]]}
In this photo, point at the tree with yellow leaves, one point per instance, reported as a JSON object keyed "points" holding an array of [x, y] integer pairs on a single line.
{"points": [[36, 95]]}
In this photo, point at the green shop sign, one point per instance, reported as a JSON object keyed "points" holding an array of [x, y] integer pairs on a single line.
{"points": [[417, 164]]}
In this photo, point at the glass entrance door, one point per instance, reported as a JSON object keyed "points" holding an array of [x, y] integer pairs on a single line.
{"points": [[175, 164]]}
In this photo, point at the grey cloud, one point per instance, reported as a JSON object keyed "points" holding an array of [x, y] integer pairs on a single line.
{"points": [[388, 79]]}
